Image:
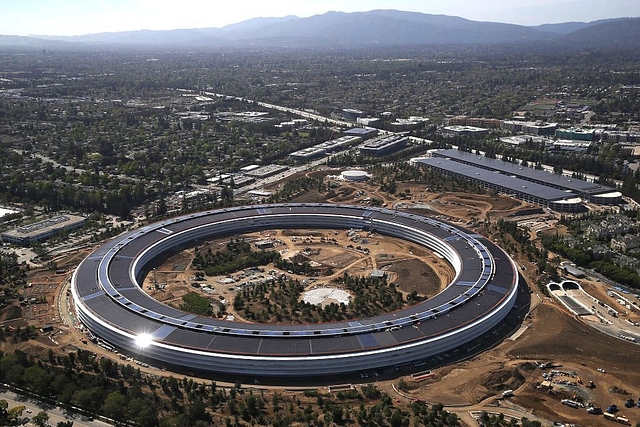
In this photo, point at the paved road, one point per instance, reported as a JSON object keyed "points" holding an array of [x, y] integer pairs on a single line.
{"points": [[259, 184], [294, 111], [55, 164], [55, 413], [587, 118]]}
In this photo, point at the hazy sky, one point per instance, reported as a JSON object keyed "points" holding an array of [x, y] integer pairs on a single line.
{"points": [[72, 17]]}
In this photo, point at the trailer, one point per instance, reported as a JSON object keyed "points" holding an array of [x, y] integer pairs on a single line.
{"points": [[571, 403], [622, 420]]}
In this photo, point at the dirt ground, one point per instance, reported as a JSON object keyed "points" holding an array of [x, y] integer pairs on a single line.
{"points": [[551, 336], [451, 205], [41, 293], [424, 278], [410, 267]]}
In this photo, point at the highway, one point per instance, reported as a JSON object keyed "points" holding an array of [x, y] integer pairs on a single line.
{"points": [[301, 113], [258, 184], [56, 414]]}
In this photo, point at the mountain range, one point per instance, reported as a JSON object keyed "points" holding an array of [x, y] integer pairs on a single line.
{"points": [[358, 29]]}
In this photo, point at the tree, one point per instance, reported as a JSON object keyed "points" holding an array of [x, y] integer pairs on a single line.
{"points": [[14, 413], [41, 419], [3, 409], [88, 398], [114, 406], [371, 391], [161, 208], [37, 379], [527, 423], [142, 412]]}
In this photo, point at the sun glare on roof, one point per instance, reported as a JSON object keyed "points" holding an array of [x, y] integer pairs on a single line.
{"points": [[143, 340]]}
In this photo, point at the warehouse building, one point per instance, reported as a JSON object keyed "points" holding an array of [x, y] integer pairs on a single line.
{"points": [[308, 153], [383, 146], [460, 130], [535, 128], [42, 230], [363, 133], [325, 148], [352, 114], [339, 143], [368, 121], [530, 192], [267, 171], [591, 191], [576, 134]]}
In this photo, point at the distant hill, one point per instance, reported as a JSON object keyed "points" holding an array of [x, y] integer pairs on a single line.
{"points": [[361, 29], [146, 37], [565, 28], [610, 34], [252, 24], [391, 27], [20, 42]]}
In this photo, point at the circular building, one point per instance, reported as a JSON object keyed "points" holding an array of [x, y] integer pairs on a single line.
{"points": [[572, 204], [110, 302], [354, 175], [612, 198]]}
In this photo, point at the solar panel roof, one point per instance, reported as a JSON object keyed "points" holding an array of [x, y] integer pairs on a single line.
{"points": [[507, 182], [530, 174], [135, 311]]}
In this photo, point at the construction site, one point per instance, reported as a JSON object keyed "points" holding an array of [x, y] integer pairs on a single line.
{"points": [[558, 365]]}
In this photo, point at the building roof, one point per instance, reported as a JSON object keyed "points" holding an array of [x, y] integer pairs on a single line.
{"points": [[378, 274], [508, 182], [40, 227], [486, 276], [574, 271], [359, 131], [267, 170], [309, 152], [575, 185], [7, 211], [384, 142], [462, 128]]}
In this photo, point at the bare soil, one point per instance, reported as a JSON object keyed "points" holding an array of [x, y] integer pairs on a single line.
{"points": [[415, 275], [552, 336], [410, 267]]}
